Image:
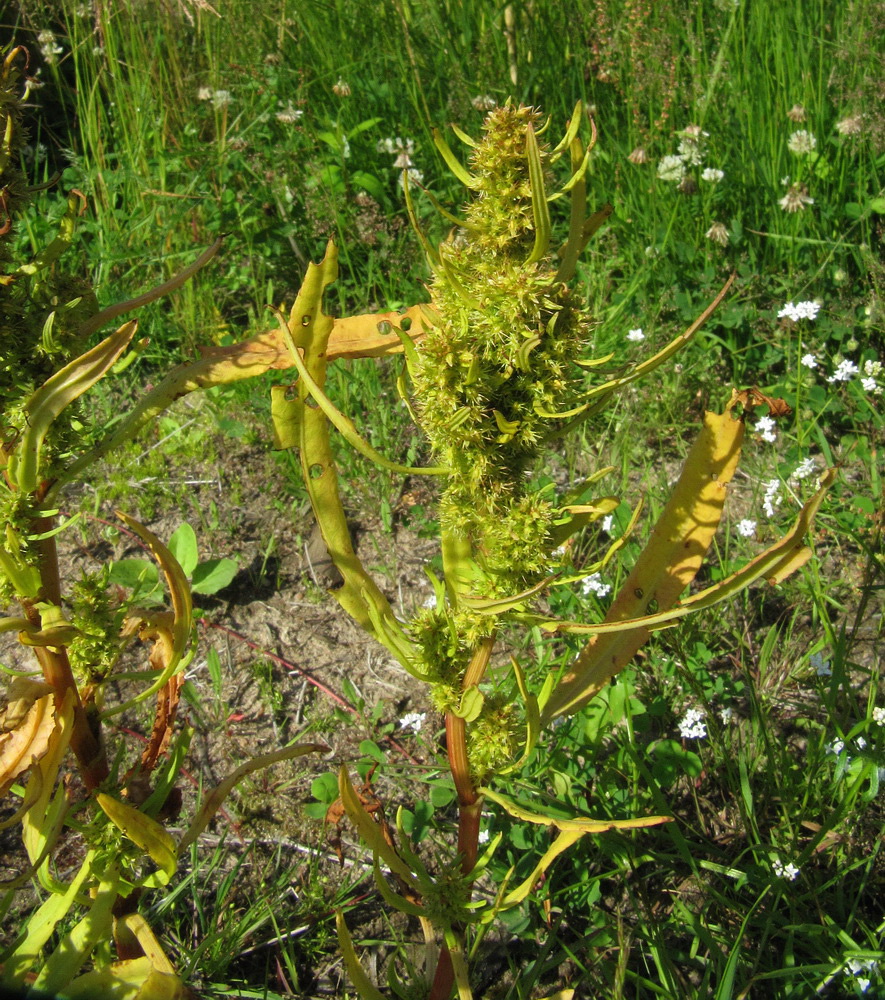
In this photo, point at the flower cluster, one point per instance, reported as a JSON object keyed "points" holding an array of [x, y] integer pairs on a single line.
{"points": [[746, 528], [402, 151], [799, 310], [692, 149], [593, 585], [765, 427], [219, 98], [787, 871], [771, 498], [49, 48], [795, 199], [289, 114], [862, 969], [692, 726], [802, 143]]}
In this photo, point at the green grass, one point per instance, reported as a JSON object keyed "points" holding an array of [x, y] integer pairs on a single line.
{"points": [[694, 908]]}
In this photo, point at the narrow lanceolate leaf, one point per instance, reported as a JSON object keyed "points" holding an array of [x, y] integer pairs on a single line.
{"points": [[669, 562], [143, 831], [97, 321], [70, 954], [580, 825], [346, 427], [540, 208], [364, 336], [452, 161], [371, 832], [213, 801], [41, 925], [171, 641], [55, 394], [357, 973]]}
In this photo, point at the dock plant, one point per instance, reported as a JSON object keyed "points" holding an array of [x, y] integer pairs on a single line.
{"points": [[498, 365], [61, 773]]}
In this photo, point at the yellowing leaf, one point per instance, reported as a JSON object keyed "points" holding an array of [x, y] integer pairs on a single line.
{"points": [[26, 743], [668, 564], [143, 831]]}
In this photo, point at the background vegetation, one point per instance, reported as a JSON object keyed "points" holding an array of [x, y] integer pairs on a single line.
{"points": [[284, 124]]}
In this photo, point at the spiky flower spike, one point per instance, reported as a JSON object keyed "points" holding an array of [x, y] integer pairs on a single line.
{"points": [[506, 332]]}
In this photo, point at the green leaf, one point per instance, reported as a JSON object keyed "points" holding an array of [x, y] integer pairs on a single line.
{"points": [[369, 748], [325, 788], [670, 761], [877, 205], [137, 575], [183, 545], [213, 575]]}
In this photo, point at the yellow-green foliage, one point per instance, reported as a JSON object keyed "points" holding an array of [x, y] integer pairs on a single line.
{"points": [[505, 335]]}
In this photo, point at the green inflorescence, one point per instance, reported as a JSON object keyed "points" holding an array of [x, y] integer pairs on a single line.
{"points": [[98, 619], [499, 354]]}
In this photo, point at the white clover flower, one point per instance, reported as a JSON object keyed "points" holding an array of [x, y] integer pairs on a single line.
{"points": [[718, 234], [413, 721], [809, 360], [671, 168], [807, 467], [821, 666], [712, 175], [879, 716], [636, 335], [770, 498], [795, 199], [220, 98], [204, 94], [765, 427], [415, 177], [691, 152], [290, 114], [844, 372], [850, 126], [484, 102], [801, 142], [746, 528], [692, 726], [341, 88], [787, 871], [593, 585], [796, 113]]}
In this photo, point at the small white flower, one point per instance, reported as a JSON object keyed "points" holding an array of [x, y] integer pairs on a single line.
{"points": [[636, 335], [807, 467], [484, 102], [593, 585], [726, 714], [860, 742], [746, 528], [836, 747], [765, 427], [429, 602], [48, 47], [879, 716], [809, 361], [850, 126], [799, 310], [607, 523], [795, 199], [671, 168], [821, 666], [770, 498], [413, 721], [801, 142], [204, 94], [862, 969], [788, 871], [692, 726], [483, 837], [289, 115], [718, 234], [415, 177], [872, 372], [712, 175], [691, 152], [844, 372]]}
